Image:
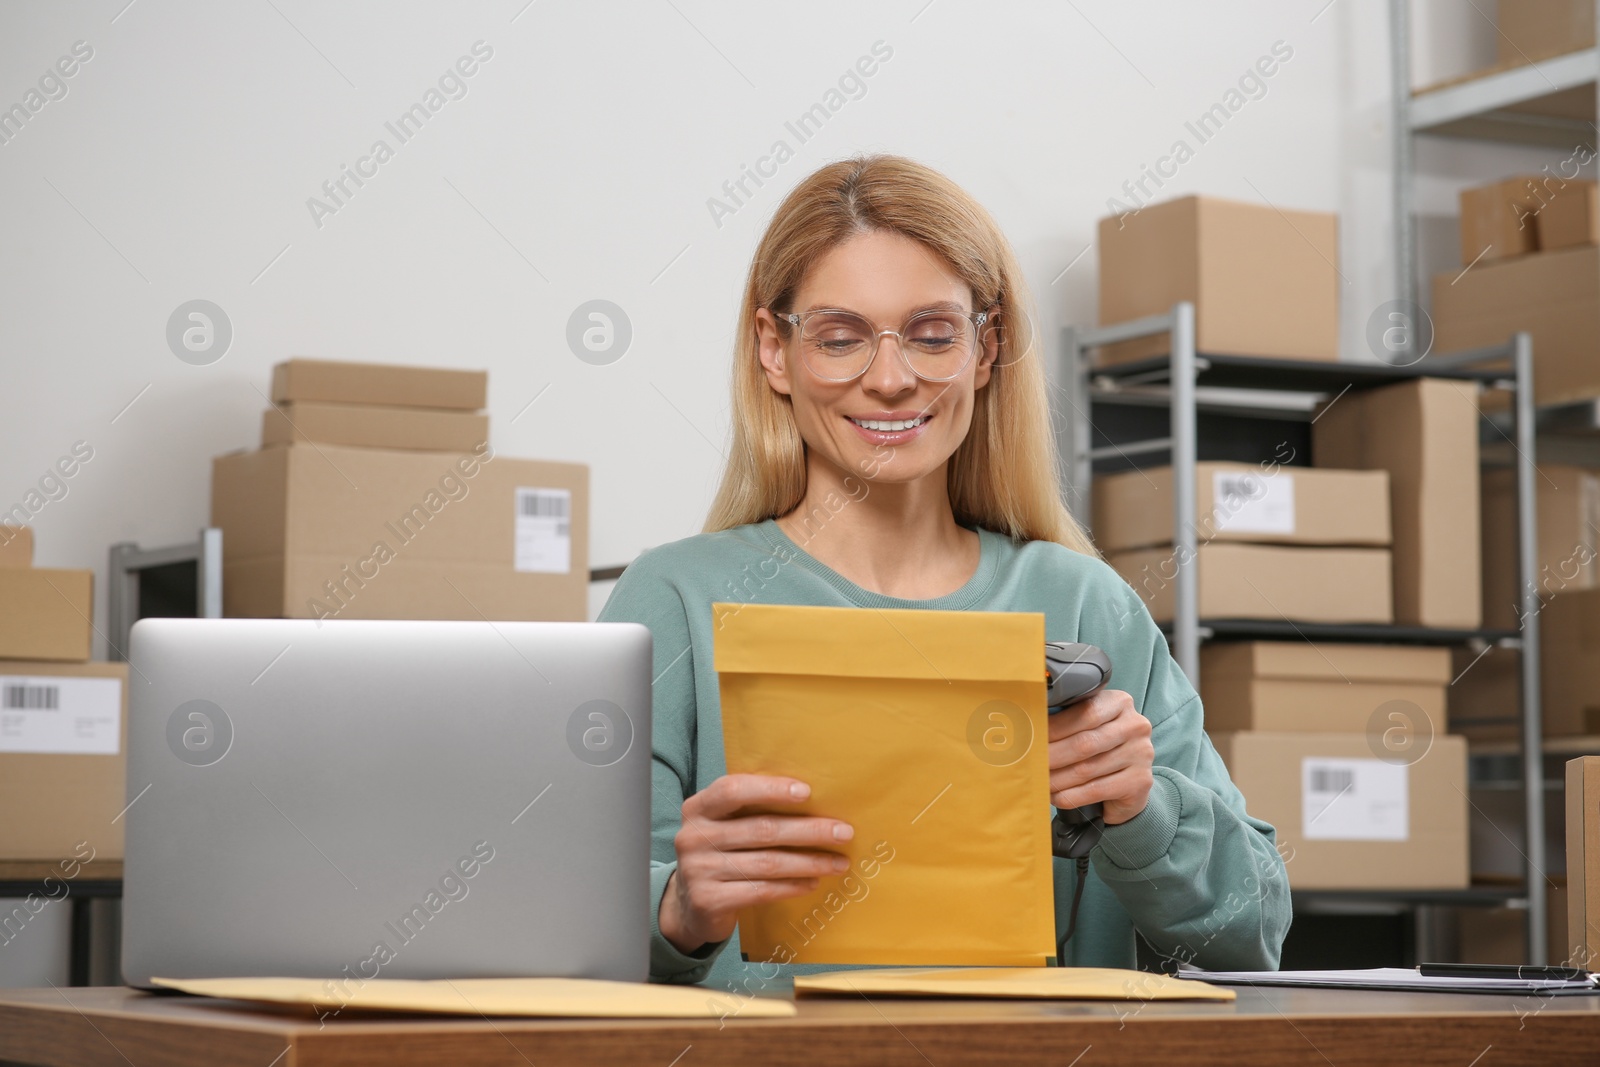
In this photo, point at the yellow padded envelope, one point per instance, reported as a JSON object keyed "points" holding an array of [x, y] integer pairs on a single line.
{"points": [[925, 730], [572, 997], [1056, 983]]}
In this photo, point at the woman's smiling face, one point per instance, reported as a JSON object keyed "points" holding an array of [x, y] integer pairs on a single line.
{"points": [[884, 278]]}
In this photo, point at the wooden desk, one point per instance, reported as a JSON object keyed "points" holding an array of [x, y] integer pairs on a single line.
{"points": [[113, 1027]]}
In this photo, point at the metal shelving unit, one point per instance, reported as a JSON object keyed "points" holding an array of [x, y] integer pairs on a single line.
{"points": [[1096, 430], [1553, 102], [128, 565]]}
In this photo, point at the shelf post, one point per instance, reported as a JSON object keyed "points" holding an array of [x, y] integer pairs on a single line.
{"points": [[1532, 712], [1078, 468], [1404, 228], [208, 574], [1186, 586], [122, 599]]}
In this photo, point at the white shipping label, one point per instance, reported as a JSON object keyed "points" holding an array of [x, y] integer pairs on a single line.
{"points": [[544, 530], [1354, 799], [1253, 502], [74, 716]]}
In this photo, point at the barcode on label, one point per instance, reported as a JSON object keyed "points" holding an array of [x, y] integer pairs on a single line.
{"points": [[1332, 779], [543, 530], [538, 503], [1345, 799], [1234, 489], [31, 698], [60, 715]]}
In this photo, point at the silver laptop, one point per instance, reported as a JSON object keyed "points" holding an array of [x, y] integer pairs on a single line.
{"points": [[356, 800]]}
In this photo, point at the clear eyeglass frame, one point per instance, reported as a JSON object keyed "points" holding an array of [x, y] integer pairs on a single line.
{"points": [[976, 318]]}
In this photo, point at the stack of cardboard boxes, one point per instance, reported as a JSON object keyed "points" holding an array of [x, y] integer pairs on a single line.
{"points": [[375, 495], [1531, 254], [1530, 250], [1274, 541], [1341, 746], [63, 721], [1485, 703]]}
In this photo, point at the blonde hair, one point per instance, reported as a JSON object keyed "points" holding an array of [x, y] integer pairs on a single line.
{"points": [[1005, 475]]}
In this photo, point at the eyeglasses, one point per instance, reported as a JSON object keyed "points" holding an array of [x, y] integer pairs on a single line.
{"points": [[839, 346]]}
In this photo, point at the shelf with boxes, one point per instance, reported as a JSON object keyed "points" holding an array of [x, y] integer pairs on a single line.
{"points": [[1542, 90], [63, 732], [1550, 101], [1530, 244], [1529, 261], [1312, 596], [1306, 530]]}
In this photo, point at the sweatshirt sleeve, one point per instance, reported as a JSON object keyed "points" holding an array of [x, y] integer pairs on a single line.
{"points": [[1202, 880], [644, 595]]}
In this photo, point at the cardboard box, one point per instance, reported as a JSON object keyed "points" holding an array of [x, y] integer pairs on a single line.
{"points": [[1485, 694], [1500, 935], [1485, 702], [1583, 860], [1499, 220], [16, 546], [1268, 582], [373, 426], [1425, 434], [378, 383], [1264, 282], [1497, 830], [1571, 218], [63, 746], [362, 533], [1531, 30], [1555, 296], [1295, 686], [1348, 820], [46, 613], [1243, 502], [1569, 635], [1567, 511]]}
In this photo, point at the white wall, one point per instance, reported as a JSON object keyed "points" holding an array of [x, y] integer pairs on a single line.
{"points": [[578, 166]]}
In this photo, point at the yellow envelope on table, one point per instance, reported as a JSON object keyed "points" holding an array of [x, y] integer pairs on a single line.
{"points": [[925, 730], [1053, 983], [558, 997]]}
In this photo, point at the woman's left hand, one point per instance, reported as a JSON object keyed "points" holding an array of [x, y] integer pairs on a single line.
{"points": [[1100, 750]]}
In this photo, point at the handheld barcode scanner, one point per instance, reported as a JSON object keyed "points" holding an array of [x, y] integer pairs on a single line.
{"points": [[1074, 672]]}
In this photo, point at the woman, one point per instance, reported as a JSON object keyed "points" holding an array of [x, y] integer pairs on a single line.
{"points": [[893, 449]]}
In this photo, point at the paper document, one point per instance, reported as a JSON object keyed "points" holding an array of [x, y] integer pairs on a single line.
{"points": [[573, 997], [925, 730], [1391, 978], [1049, 983]]}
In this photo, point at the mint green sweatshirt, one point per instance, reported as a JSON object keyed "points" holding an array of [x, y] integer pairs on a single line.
{"points": [[1193, 874]]}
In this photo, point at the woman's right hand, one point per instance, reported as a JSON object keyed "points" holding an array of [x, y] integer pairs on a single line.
{"points": [[730, 858]]}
